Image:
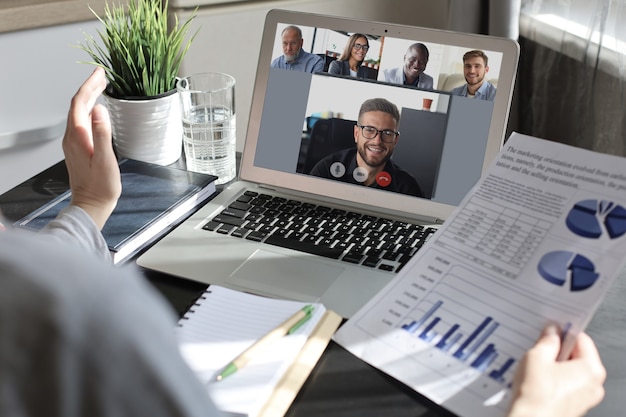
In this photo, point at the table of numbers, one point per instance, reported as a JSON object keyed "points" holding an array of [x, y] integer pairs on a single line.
{"points": [[496, 237]]}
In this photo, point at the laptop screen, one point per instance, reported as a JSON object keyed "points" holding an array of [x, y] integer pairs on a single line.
{"points": [[382, 115]]}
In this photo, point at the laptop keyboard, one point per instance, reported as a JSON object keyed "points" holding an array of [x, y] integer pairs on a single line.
{"points": [[352, 237]]}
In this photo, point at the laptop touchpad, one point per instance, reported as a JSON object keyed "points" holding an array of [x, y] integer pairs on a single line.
{"points": [[276, 274]]}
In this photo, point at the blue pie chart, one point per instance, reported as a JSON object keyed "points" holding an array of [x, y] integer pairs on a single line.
{"points": [[593, 218], [562, 267]]}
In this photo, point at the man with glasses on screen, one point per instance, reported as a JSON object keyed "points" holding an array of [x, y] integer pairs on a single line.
{"points": [[375, 135]]}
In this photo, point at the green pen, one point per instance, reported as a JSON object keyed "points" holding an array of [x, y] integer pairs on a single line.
{"points": [[288, 327]]}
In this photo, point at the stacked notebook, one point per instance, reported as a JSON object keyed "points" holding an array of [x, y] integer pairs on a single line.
{"points": [[154, 199]]}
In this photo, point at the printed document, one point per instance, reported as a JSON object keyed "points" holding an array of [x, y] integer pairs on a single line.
{"points": [[539, 239]]}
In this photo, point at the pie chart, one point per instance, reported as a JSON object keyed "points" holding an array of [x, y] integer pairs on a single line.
{"points": [[593, 218], [562, 267]]}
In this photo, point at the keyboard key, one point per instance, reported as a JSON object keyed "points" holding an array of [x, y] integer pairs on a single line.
{"points": [[256, 236], [267, 229], [326, 242], [359, 249], [390, 256], [272, 205], [296, 227], [251, 217], [295, 236], [371, 261], [257, 202], [375, 234], [342, 245], [252, 225], [240, 206], [225, 229], [311, 238], [271, 213], [245, 198], [286, 208], [360, 231], [310, 230], [301, 210], [404, 259], [239, 232], [212, 225], [257, 210], [234, 212], [304, 247], [353, 257], [343, 228], [387, 246], [282, 223], [224, 218]]}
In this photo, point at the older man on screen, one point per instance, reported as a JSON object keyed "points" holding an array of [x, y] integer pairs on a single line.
{"points": [[294, 57]]}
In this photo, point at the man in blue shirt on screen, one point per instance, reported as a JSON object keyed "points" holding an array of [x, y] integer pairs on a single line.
{"points": [[475, 68], [294, 57]]}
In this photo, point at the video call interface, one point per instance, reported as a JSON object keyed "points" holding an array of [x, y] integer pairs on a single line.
{"points": [[309, 122]]}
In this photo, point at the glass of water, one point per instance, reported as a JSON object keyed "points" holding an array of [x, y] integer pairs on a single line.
{"points": [[208, 117]]}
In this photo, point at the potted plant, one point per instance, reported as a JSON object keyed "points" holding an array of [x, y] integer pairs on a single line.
{"points": [[141, 51]]}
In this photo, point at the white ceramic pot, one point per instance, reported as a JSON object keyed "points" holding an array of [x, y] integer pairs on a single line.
{"points": [[148, 130]]}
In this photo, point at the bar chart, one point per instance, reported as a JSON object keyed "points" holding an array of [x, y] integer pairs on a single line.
{"points": [[441, 319], [476, 349]]}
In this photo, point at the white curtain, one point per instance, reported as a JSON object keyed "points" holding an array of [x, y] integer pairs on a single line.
{"points": [[572, 69]]}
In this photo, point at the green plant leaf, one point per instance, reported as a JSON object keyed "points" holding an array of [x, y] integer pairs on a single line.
{"points": [[140, 53]]}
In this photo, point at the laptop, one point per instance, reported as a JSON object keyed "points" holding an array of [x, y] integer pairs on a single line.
{"points": [[299, 118]]}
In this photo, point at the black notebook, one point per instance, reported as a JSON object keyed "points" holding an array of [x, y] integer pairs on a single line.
{"points": [[154, 199]]}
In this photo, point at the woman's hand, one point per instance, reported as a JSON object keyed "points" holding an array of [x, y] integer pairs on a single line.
{"points": [[545, 387], [91, 163]]}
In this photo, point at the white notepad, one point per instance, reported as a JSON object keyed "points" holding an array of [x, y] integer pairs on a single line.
{"points": [[223, 323]]}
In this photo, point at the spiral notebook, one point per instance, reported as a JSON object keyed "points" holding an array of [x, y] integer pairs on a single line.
{"points": [[224, 322]]}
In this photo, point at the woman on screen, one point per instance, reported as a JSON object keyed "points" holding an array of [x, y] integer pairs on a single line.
{"points": [[350, 62]]}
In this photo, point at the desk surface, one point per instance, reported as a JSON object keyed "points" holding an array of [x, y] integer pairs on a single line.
{"points": [[341, 384]]}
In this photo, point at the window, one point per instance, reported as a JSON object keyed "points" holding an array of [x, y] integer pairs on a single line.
{"points": [[589, 31]]}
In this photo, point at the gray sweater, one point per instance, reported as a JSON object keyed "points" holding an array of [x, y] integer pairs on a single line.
{"points": [[80, 337]]}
